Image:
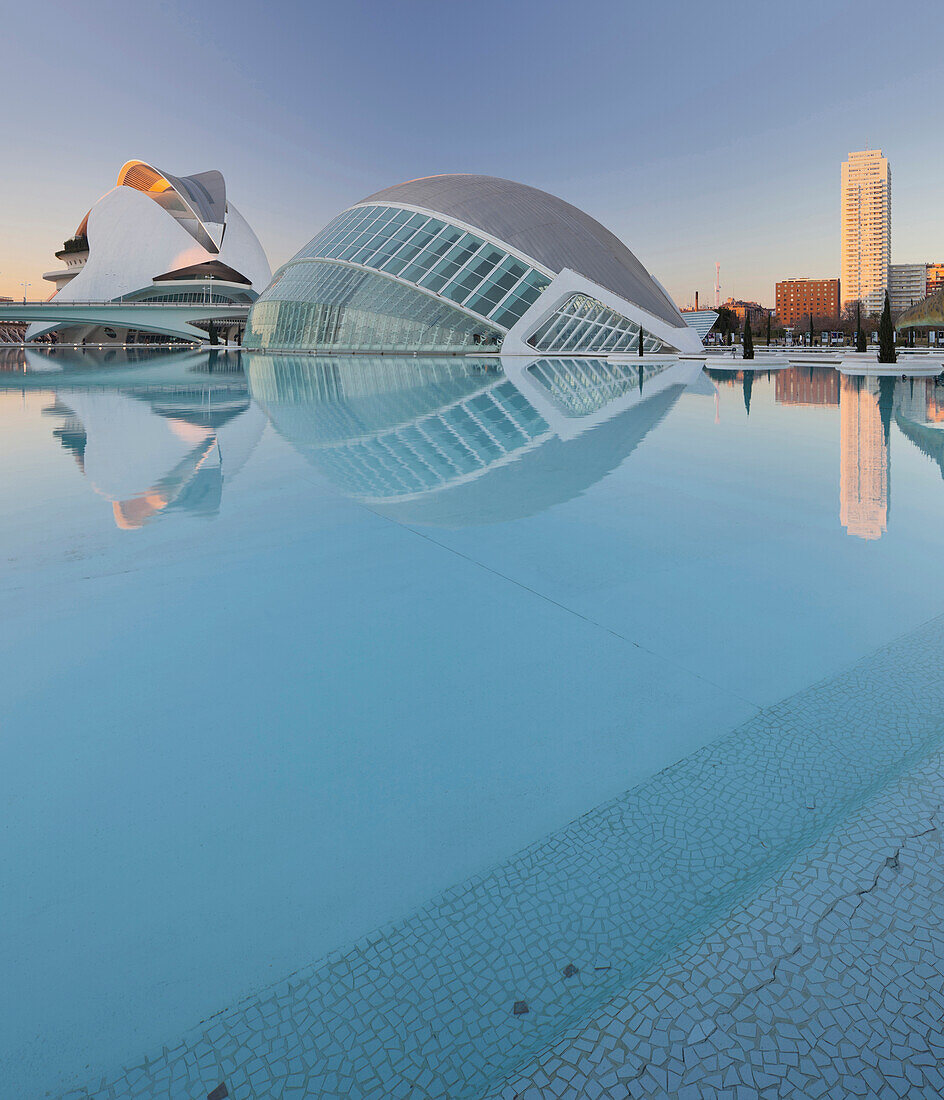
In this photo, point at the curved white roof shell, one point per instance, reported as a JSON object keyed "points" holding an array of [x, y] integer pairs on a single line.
{"points": [[541, 226], [133, 241], [198, 202], [153, 224], [447, 263]]}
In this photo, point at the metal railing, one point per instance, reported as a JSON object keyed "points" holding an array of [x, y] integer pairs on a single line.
{"points": [[129, 304]]}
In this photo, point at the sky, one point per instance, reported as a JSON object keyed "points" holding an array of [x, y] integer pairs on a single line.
{"points": [[696, 132]]}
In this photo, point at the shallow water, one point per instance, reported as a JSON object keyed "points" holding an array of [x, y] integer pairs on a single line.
{"points": [[293, 644]]}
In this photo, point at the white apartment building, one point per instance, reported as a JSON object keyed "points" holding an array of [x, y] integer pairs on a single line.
{"points": [[907, 285], [866, 228]]}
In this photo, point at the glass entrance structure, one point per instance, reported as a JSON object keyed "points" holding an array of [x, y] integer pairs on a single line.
{"points": [[451, 263]]}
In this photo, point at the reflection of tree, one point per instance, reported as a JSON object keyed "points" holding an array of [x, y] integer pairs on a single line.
{"points": [[722, 377], [732, 378], [886, 400], [748, 385]]}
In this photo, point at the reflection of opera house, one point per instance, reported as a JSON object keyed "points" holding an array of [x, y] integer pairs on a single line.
{"points": [[157, 450], [451, 442], [451, 263]]}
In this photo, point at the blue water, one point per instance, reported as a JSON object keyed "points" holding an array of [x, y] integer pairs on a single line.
{"points": [[292, 644]]}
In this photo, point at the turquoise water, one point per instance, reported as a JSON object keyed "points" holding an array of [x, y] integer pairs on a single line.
{"points": [[295, 644]]}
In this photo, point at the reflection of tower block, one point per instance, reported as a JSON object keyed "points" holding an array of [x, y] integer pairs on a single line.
{"points": [[864, 459]]}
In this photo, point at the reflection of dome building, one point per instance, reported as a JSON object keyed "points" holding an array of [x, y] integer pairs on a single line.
{"points": [[157, 450], [454, 442], [161, 239], [451, 262], [919, 414]]}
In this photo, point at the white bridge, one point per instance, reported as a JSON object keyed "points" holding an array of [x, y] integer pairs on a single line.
{"points": [[184, 320]]}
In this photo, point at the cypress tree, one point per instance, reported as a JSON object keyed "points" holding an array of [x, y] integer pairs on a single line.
{"points": [[886, 335], [212, 332], [641, 352], [811, 330], [768, 328], [748, 352]]}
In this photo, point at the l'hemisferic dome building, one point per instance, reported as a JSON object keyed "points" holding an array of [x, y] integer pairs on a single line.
{"points": [[457, 262], [158, 238]]}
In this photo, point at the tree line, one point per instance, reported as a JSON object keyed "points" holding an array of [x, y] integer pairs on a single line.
{"points": [[848, 322]]}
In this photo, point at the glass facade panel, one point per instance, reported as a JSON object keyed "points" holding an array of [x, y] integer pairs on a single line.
{"points": [[331, 306], [583, 386], [454, 421], [449, 446], [220, 297], [518, 301], [584, 324], [507, 274], [434, 255]]}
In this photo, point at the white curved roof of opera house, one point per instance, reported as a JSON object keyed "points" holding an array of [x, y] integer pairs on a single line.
{"points": [[155, 232]]}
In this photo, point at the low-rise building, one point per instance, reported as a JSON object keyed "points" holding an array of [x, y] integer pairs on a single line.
{"points": [[740, 309], [798, 299]]}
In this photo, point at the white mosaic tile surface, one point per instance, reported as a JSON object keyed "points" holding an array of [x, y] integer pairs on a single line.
{"points": [[829, 983], [434, 1006]]}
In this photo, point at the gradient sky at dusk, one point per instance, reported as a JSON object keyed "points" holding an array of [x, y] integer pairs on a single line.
{"points": [[697, 132]]}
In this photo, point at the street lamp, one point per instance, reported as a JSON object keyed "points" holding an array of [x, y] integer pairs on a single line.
{"points": [[209, 289], [25, 287]]}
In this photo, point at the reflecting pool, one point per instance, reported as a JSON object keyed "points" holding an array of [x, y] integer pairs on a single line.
{"points": [[349, 702]]}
